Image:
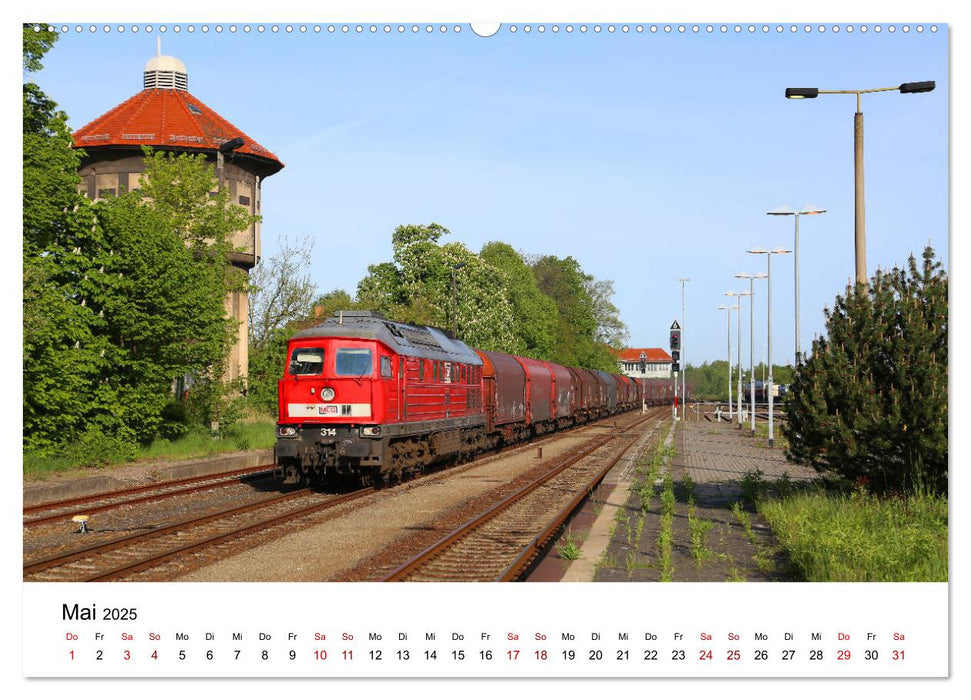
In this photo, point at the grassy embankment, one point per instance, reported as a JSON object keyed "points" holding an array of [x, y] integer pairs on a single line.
{"points": [[856, 536], [251, 434]]}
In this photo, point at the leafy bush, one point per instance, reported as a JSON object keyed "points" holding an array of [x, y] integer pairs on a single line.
{"points": [[95, 449]]}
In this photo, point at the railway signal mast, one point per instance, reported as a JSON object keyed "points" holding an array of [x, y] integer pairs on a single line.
{"points": [[675, 344]]}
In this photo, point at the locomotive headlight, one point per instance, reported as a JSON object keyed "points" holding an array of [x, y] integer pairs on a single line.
{"points": [[286, 431], [327, 394], [372, 431]]}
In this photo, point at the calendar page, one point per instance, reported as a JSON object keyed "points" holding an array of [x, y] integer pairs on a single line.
{"points": [[381, 342]]}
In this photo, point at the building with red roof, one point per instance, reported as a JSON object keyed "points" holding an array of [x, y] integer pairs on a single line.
{"points": [[651, 363], [166, 116]]}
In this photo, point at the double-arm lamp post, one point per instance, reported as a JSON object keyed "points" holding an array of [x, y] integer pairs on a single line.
{"points": [[768, 285], [751, 359], [728, 328], [809, 93], [738, 343], [786, 211]]}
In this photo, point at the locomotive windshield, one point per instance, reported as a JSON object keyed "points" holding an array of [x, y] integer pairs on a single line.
{"points": [[307, 361], [353, 362]]}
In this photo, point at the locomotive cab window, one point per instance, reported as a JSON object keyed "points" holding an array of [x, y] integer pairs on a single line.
{"points": [[307, 361], [354, 362], [386, 367]]}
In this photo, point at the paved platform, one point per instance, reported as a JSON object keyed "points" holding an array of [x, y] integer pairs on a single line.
{"points": [[717, 456]]}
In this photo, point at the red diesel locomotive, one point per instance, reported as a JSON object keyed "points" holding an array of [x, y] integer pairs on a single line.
{"points": [[371, 400]]}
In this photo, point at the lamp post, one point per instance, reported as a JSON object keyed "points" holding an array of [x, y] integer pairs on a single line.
{"points": [[684, 372], [786, 211], [860, 228], [729, 335], [751, 359], [768, 285], [455, 294], [738, 343]]}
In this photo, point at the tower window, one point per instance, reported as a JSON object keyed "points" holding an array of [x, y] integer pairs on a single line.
{"points": [[244, 200]]}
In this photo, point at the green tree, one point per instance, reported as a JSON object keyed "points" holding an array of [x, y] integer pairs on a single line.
{"points": [[870, 404], [134, 291], [610, 329], [58, 225], [585, 313], [417, 288], [534, 313]]}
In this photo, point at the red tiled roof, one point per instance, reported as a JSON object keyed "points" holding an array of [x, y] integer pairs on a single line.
{"points": [[167, 118], [650, 355]]}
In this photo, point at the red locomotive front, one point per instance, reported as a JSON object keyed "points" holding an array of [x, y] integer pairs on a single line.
{"points": [[370, 399]]}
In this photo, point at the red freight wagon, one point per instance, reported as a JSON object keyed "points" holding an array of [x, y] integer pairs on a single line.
{"points": [[624, 388], [564, 394], [539, 391], [503, 389], [609, 384], [587, 391]]}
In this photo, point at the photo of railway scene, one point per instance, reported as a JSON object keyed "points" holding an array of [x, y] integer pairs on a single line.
{"points": [[561, 302]]}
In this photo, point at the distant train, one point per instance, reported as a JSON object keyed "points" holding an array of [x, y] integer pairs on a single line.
{"points": [[371, 400], [779, 392]]}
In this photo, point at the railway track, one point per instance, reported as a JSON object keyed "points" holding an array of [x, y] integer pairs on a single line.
{"points": [[167, 551], [131, 555], [54, 511], [503, 542]]}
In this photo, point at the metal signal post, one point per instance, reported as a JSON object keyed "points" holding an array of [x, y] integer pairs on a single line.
{"points": [[675, 345]]}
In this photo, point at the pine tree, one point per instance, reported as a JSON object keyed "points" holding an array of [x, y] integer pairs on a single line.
{"points": [[870, 405]]}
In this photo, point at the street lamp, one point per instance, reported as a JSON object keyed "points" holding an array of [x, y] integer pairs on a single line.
{"points": [[809, 93], [455, 294], [729, 335], [751, 358], [768, 284], [684, 373], [786, 211], [738, 343]]}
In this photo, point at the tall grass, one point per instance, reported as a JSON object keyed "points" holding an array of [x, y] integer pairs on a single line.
{"points": [[858, 537]]}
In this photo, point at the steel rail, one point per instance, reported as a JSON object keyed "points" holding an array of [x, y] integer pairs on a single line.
{"points": [[522, 562], [194, 483], [58, 560], [561, 465], [157, 560]]}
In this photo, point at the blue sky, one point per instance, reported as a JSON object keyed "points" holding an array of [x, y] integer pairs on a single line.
{"points": [[646, 156]]}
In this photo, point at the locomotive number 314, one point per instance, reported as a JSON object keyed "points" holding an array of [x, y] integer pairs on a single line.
{"points": [[328, 432]]}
